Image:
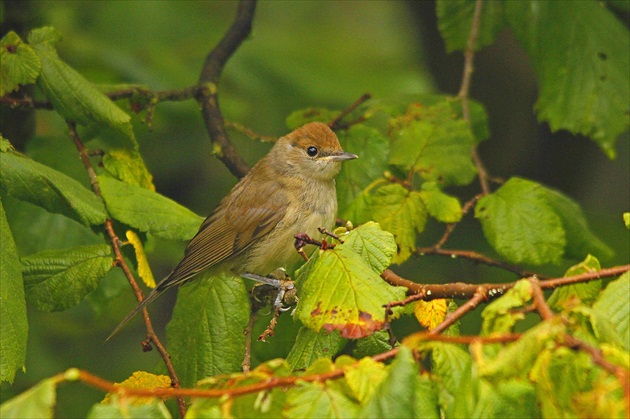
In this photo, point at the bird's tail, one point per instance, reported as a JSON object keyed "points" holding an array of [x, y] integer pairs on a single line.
{"points": [[155, 293]]}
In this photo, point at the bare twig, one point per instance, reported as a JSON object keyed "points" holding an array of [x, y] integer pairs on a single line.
{"points": [[451, 226], [477, 258], [207, 94], [464, 90], [336, 123], [121, 263], [451, 318]]}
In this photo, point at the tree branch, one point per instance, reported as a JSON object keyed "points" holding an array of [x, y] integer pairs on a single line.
{"points": [[464, 90], [460, 290], [207, 93], [122, 264]]}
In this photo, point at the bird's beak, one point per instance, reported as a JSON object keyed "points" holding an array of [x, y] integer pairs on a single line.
{"points": [[341, 156]]}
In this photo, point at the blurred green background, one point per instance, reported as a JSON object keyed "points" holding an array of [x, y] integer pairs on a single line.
{"points": [[300, 54]]}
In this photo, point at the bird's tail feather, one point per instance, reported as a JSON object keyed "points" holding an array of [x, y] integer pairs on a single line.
{"points": [[152, 296]]}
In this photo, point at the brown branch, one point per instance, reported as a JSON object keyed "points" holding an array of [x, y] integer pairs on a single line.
{"points": [[477, 258], [540, 304], [451, 318], [207, 94], [460, 290], [464, 90], [336, 123], [122, 264]]}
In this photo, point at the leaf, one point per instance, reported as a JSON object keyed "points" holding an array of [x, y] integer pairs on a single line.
{"points": [[574, 294], [499, 316], [520, 225], [517, 358], [364, 378], [403, 393], [13, 321], [402, 213], [430, 313], [318, 400], [612, 304], [559, 375], [377, 247], [579, 52], [372, 345], [626, 219], [75, 98], [144, 270], [351, 297], [36, 402], [129, 167], [56, 280], [140, 380], [148, 211], [33, 182], [205, 334], [115, 410], [441, 206], [455, 21], [310, 345], [580, 240], [20, 65], [372, 147], [434, 142]]}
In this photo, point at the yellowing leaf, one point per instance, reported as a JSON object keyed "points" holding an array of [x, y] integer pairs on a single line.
{"points": [[128, 166], [142, 379], [430, 313], [364, 377], [144, 270]]}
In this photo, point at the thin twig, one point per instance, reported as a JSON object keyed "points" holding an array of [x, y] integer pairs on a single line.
{"points": [[477, 258], [451, 318], [336, 123], [464, 90], [451, 226], [207, 95], [122, 264]]}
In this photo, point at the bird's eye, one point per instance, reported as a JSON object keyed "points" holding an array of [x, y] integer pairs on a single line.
{"points": [[312, 151]]}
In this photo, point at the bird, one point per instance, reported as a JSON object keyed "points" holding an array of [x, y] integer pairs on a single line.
{"points": [[291, 190]]}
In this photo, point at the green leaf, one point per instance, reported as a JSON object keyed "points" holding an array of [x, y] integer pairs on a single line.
{"points": [[520, 224], [515, 398], [19, 63], [372, 148], [319, 400], [310, 345], [402, 213], [574, 294], [441, 206], [205, 334], [129, 167], [403, 393], [580, 240], [13, 321], [338, 290], [434, 142], [499, 316], [114, 410], [148, 211], [613, 305], [377, 247], [452, 365], [372, 345], [56, 280], [455, 21], [33, 182], [36, 402], [559, 375], [579, 51], [515, 360], [75, 98], [364, 378]]}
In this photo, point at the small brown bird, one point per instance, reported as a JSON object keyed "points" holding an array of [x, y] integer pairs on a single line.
{"points": [[289, 191]]}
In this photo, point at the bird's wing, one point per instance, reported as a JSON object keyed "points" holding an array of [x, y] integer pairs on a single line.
{"points": [[234, 226]]}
